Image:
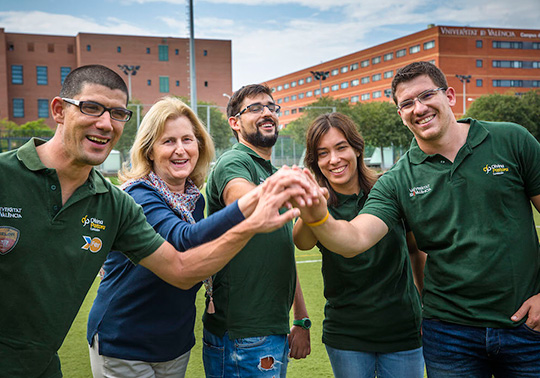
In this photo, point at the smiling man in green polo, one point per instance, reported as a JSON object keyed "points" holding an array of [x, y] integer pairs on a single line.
{"points": [[465, 188]]}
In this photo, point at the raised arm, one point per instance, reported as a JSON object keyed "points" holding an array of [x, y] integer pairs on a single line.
{"points": [[303, 237]]}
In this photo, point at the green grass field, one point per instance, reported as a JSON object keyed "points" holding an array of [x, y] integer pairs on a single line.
{"points": [[74, 351]]}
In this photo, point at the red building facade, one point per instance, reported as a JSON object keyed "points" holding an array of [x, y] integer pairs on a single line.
{"points": [[33, 66], [493, 60]]}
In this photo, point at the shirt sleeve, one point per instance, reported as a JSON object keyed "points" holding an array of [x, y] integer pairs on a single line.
{"points": [[181, 234], [234, 165], [382, 202], [529, 150]]}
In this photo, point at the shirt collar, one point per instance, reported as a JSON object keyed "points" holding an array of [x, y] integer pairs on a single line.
{"points": [[242, 147], [477, 134]]}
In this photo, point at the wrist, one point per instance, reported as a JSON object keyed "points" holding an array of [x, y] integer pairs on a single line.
{"points": [[305, 323], [319, 222]]}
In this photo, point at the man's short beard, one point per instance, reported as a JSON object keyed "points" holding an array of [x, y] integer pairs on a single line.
{"points": [[260, 140]]}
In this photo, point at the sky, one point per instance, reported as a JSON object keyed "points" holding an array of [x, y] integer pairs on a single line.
{"points": [[270, 38]]}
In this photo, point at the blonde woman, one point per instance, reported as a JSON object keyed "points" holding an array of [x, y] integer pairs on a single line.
{"points": [[139, 325]]}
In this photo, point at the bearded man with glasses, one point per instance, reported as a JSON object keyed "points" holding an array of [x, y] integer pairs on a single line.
{"points": [[246, 334], [465, 188]]}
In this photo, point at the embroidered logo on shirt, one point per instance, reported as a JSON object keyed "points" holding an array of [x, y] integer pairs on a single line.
{"points": [[9, 237], [94, 223], [10, 212], [495, 169], [92, 244], [419, 190]]}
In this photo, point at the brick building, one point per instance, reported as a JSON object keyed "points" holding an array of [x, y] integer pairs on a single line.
{"points": [[33, 66], [497, 61]]}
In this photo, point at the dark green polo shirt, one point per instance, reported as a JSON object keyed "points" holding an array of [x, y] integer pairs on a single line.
{"points": [[474, 218], [254, 292], [372, 304], [51, 253]]}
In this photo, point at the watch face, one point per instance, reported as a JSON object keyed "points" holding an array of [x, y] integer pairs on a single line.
{"points": [[307, 323]]}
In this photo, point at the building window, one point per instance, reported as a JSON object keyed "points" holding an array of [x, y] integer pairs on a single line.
{"points": [[176, 52], [301, 82], [16, 74], [365, 97], [429, 45], [50, 47], [354, 99], [377, 94], [508, 83], [41, 73], [479, 44], [376, 77], [365, 80], [287, 112], [535, 83], [388, 74], [70, 49], [30, 46], [309, 94], [177, 83], [164, 84], [293, 84], [334, 72], [293, 98], [388, 93], [344, 69], [205, 83], [279, 88], [149, 82], [279, 100], [507, 45], [64, 71], [364, 63], [479, 82], [43, 108], [508, 64], [335, 87], [148, 50], [301, 95], [18, 107], [401, 53], [119, 49], [309, 79], [205, 53], [535, 64], [326, 90], [317, 92], [479, 63], [355, 83], [163, 53], [345, 85], [376, 60], [286, 86], [354, 66], [388, 56], [11, 46], [88, 48], [414, 49], [536, 45], [286, 99]]}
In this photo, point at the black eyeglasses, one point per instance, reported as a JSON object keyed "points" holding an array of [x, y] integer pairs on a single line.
{"points": [[259, 108], [422, 98], [95, 109]]}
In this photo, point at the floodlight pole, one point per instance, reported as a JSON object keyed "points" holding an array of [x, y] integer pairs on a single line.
{"points": [[320, 75], [464, 79], [193, 76], [129, 71]]}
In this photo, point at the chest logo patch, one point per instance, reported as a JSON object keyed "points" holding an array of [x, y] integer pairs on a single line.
{"points": [[495, 169], [419, 190], [92, 244], [9, 237]]}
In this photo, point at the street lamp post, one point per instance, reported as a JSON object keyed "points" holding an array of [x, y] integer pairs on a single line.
{"points": [[320, 75], [129, 71], [464, 79]]}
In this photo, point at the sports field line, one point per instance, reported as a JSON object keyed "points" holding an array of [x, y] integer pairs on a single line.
{"points": [[308, 261]]}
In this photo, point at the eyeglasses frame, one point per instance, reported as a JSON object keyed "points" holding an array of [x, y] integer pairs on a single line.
{"points": [[278, 108], [400, 106], [79, 104]]}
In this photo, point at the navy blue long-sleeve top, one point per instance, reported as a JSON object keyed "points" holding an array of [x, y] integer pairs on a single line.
{"points": [[138, 316]]}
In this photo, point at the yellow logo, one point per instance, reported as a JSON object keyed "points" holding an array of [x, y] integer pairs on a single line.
{"points": [[92, 244], [495, 169], [94, 223]]}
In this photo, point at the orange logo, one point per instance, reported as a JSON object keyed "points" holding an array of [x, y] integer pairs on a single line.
{"points": [[9, 237], [94, 245]]}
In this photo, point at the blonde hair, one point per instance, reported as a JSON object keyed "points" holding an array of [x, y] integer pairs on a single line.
{"points": [[151, 129]]}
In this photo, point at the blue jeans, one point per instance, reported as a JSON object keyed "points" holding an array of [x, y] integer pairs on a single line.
{"points": [[262, 356], [350, 363], [453, 350]]}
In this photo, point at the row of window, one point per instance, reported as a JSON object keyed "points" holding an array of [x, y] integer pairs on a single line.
{"points": [[42, 104], [364, 63], [510, 63], [42, 74], [512, 45]]}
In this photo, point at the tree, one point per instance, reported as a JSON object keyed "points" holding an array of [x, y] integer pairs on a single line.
{"points": [[523, 110], [130, 131], [219, 126], [380, 125]]}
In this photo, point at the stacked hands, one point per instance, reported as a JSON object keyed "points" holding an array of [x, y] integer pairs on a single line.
{"points": [[291, 188]]}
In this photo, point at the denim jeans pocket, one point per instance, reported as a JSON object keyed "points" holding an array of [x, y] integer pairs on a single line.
{"points": [[530, 330], [213, 357], [250, 342]]}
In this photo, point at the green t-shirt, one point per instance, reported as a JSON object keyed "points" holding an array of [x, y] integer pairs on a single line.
{"points": [[474, 218], [50, 254], [372, 304], [254, 292]]}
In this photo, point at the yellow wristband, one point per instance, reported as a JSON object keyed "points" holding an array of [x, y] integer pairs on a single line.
{"points": [[322, 221]]}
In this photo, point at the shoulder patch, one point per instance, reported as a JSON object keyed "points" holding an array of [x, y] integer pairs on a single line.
{"points": [[9, 237]]}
